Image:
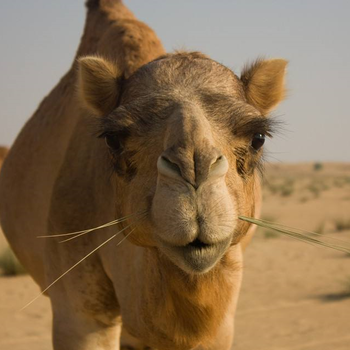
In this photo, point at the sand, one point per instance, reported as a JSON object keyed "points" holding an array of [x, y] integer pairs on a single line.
{"points": [[295, 296]]}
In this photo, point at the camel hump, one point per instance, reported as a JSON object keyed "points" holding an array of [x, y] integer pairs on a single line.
{"points": [[3, 152], [113, 32], [115, 9], [97, 3]]}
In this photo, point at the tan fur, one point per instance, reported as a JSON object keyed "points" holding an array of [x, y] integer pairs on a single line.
{"points": [[99, 86], [264, 83], [3, 153], [179, 131]]}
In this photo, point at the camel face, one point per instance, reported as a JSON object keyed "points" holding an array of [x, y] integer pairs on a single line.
{"points": [[192, 199], [182, 142]]}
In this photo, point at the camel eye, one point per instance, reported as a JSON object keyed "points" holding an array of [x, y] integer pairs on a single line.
{"points": [[113, 142], [258, 141]]}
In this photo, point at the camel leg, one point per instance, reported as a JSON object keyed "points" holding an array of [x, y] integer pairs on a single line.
{"points": [[128, 342], [73, 330]]}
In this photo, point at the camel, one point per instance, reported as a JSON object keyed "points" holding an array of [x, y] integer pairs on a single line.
{"points": [[170, 143], [3, 153]]}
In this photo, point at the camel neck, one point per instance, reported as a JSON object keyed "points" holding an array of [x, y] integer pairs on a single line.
{"points": [[193, 305]]}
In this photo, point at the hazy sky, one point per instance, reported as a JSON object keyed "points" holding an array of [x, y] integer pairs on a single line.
{"points": [[38, 39]]}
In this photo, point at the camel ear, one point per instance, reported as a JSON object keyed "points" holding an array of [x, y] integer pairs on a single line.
{"points": [[99, 84], [263, 83]]}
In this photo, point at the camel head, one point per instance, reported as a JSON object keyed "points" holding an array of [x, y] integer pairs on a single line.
{"points": [[185, 136]]}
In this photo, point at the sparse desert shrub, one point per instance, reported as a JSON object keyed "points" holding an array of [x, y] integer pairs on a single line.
{"points": [[284, 189], [314, 189], [318, 166], [340, 182], [287, 190], [304, 199], [9, 264], [272, 187], [317, 186], [342, 224]]}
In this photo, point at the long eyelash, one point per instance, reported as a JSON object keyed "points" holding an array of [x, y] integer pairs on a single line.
{"points": [[264, 125], [105, 131]]}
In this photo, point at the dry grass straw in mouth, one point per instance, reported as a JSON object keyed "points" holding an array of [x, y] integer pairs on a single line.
{"points": [[302, 235]]}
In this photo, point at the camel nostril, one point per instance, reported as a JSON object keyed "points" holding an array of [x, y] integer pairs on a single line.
{"points": [[167, 167], [172, 165], [216, 161], [219, 167]]}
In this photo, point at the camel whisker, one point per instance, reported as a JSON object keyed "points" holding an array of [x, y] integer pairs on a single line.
{"points": [[82, 232], [70, 269], [77, 263], [126, 236]]}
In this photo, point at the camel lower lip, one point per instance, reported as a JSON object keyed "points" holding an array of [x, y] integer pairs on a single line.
{"points": [[204, 252], [197, 257]]}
